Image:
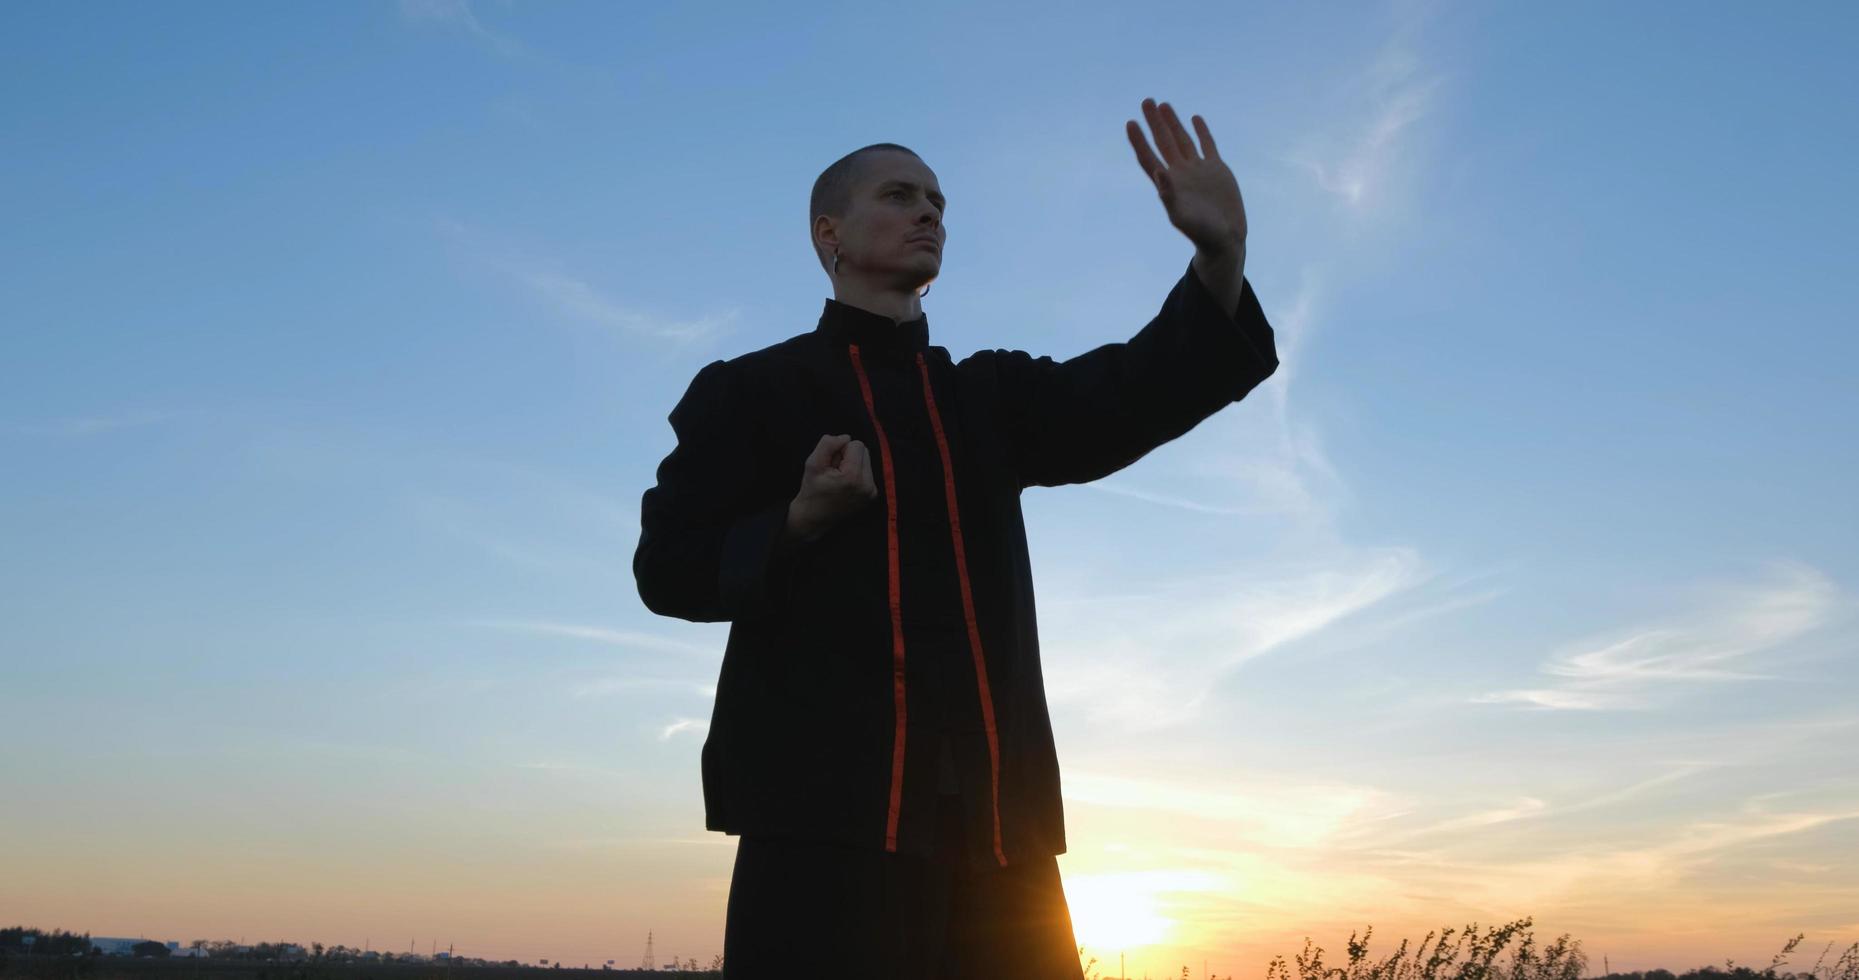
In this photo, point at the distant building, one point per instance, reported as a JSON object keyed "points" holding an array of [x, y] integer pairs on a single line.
{"points": [[116, 945]]}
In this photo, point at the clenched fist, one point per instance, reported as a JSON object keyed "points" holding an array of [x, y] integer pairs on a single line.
{"points": [[837, 482]]}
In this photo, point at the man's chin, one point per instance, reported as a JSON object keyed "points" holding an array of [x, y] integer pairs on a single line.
{"points": [[922, 274]]}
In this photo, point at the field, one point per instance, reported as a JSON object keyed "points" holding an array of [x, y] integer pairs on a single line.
{"points": [[188, 968]]}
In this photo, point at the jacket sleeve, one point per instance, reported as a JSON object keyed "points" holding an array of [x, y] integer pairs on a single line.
{"points": [[709, 549], [1087, 417]]}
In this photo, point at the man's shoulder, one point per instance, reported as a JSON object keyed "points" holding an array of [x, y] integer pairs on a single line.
{"points": [[990, 363], [775, 357], [784, 358]]}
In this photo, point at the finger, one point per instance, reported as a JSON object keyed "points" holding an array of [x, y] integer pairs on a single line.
{"points": [[1145, 157], [1208, 148], [822, 451], [1188, 148], [1179, 133], [1164, 143]]}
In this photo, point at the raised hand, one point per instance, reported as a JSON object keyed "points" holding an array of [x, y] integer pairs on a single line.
{"points": [[1197, 189]]}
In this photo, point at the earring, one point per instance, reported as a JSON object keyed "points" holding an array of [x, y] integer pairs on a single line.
{"points": [[835, 263]]}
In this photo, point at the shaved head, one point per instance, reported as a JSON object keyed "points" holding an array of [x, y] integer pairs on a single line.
{"points": [[832, 190]]}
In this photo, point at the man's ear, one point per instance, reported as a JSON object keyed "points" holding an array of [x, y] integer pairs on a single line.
{"points": [[825, 233]]}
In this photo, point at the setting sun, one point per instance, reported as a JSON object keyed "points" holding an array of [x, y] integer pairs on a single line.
{"points": [[1124, 910]]}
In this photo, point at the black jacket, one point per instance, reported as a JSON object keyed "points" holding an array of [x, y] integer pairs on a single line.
{"points": [[854, 659]]}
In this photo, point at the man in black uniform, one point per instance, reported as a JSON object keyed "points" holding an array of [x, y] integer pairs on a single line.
{"points": [[849, 501]]}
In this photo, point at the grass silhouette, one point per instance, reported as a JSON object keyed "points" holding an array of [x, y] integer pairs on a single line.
{"points": [[1440, 959]]}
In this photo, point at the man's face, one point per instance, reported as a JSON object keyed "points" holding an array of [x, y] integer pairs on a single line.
{"points": [[897, 207]]}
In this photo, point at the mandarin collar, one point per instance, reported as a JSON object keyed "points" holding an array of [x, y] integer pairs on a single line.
{"points": [[844, 323]]}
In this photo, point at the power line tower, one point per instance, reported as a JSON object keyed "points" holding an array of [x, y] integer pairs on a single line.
{"points": [[647, 963]]}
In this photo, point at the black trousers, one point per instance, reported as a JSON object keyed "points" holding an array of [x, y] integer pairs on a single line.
{"points": [[800, 909]]}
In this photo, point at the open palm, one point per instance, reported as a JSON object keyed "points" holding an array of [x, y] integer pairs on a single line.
{"points": [[1196, 187]]}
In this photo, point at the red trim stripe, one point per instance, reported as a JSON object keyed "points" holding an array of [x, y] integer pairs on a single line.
{"points": [[897, 615], [968, 611]]}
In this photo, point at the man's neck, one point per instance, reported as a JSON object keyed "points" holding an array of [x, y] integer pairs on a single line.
{"points": [[899, 306]]}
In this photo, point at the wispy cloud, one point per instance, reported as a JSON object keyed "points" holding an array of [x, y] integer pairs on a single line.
{"points": [[1565, 878], [696, 725], [580, 300], [1523, 808], [460, 18], [532, 517], [625, 843], [621, 683], [577, 298], [1708, 836], [1358, 165], [1631, 668], [458, 15], [1150, 662], [552, 493], [633, 639], [91, 424], [1471, 859], [1330, 848], [273, 747], [472, 522], [1170, 500], [1803, 867], [1262, 811], [578, 769]]}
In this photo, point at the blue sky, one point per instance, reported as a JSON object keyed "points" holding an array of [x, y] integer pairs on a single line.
{"points": [[338, 344]]}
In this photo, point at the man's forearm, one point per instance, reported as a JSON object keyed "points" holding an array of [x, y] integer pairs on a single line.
{"points": [[1223, 274]]}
